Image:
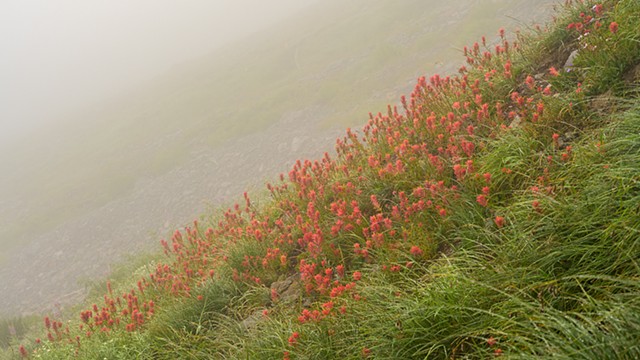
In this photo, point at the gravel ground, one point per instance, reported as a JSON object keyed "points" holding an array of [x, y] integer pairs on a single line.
{"points": [[47, 274]]}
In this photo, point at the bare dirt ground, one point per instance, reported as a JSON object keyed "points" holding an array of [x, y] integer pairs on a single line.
{"points": [[47, 274]]}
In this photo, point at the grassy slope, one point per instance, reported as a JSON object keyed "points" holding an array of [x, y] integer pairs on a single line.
{"points": [[238, 90], [497, 214]]}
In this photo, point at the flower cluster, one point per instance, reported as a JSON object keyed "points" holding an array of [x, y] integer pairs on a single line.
{"points": [[383, 199]]}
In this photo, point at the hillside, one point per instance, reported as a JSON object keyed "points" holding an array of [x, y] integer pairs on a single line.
{"points": [[493, 212], [207, 102], [112, 179]]}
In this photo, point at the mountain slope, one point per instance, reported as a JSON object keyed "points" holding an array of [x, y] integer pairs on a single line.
{"points": [[209, 101], [114, 178], [492, 213]]}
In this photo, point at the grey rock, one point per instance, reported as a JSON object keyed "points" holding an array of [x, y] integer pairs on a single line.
{"points": [[568, 65]]}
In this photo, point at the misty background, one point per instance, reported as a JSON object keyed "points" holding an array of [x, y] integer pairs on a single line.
{"points": [[58, 56], [123, 121]]}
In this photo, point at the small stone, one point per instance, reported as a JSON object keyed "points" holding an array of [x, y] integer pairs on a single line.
{"points": [[252, 320], [568, 65], [515, 123], [288, 290]]}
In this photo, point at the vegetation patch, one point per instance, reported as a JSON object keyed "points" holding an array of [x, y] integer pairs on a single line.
{"points": [[492, 213]]}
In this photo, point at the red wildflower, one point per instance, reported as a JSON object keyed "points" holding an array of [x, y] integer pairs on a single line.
{"points": [[482, 200], [613, 27], [491, 341], [540, 108], [416, 251], [597, 9], [293, 339], [536, 205], [499, 220], [357, 275], [459, 171], [553, 71], [374, 201], [530, 81], [23, 352]]}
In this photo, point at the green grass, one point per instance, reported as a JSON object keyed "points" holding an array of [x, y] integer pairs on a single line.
{"points": [[410, 243]]}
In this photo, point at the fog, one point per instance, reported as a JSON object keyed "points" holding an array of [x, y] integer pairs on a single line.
{"points": [[121, 121], [57, 56]]}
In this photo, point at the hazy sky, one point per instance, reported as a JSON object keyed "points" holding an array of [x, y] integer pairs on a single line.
{"points": [[58, 55]]}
